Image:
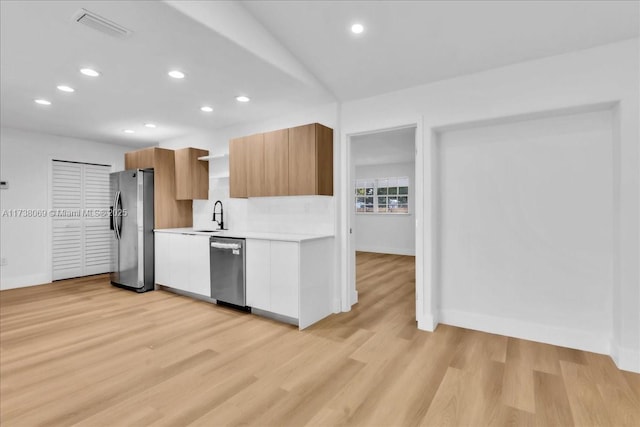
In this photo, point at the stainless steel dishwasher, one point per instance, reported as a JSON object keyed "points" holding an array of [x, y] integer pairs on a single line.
{"points": [[227, 271]]}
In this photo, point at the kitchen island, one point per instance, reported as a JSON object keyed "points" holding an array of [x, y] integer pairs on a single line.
{"points": [[289, 277]]}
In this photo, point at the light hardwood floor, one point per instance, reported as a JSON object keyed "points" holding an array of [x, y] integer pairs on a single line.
{"points": [[81, 352]]}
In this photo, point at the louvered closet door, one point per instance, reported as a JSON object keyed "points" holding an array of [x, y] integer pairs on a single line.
{"points": [[67, 230], [80, 243], [97, 235]]}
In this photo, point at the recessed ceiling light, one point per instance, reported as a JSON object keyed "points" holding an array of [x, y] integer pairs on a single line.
{"points": [[150, 125], [176, 74], [243, 98], [89, 72], [65, 88], [129, 131], [206, 109], [357, 28], [42, 101]]}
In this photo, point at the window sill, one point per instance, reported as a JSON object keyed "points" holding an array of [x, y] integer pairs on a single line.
{"points": [[385, 213]]}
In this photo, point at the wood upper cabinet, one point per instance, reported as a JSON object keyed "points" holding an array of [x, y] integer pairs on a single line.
{"points": [[141, 159], [276, 163], [168, 212], [254, 147], [311, 160], [237, 168], [287, 162], [192, 175]]}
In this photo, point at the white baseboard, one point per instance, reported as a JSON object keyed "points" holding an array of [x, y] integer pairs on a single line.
{"points": [[427, 323], [626, 359], [564, 337], [336, 306], [24, 281], [385, 250]]}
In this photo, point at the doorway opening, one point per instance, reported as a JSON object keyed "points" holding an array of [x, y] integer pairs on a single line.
{"points": [[383, 220]]}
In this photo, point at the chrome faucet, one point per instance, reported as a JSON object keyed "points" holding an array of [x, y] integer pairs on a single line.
{"points": [[221, 213]]}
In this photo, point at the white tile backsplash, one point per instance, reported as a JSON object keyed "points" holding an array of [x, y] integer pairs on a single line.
{"points": [[202, 213], [292, 214]]}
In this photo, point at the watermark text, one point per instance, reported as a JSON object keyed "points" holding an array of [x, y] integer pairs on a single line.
{"points": [[62, 213]]}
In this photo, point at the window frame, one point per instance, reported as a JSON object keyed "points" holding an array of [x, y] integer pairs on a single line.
{"points": [[370, 188]]}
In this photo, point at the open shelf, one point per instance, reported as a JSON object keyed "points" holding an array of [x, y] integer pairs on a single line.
{"points": [[218, 156]]}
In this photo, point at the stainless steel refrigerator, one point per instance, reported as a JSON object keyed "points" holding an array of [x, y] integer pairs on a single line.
{"points": [[132, 226]]}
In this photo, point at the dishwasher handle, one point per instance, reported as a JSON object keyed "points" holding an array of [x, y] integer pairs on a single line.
{"points": [[219, 245]]}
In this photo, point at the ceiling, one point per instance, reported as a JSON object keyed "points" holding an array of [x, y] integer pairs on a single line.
{"points": [[286, 55], [42, 47], [387, 147], [408, 43]]}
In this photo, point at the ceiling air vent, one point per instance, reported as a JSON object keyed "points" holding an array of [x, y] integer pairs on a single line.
{"points": [[101, 24]]}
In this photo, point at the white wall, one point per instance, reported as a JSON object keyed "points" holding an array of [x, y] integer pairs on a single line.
{"points": [[600, 75], [526, 235], [384, 233], [25, 161]]}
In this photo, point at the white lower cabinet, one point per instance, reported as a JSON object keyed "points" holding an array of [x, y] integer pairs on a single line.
{"points": [[258, 273], [179, 261], [272, 276], [199, 268], [182, 262], [162, 245], [283, 277]]}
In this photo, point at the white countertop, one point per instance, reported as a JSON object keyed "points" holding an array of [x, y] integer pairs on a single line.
{"points": [[287, 237]]}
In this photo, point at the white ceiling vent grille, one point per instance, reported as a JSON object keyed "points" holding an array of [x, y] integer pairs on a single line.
{"points": [[101, 24]]}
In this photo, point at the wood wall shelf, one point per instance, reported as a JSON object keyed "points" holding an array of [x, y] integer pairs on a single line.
{"points": [[217, 156]]}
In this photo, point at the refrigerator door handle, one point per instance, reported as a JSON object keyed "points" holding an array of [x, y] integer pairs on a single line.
{"points": [[118, 225], [114, 226]]}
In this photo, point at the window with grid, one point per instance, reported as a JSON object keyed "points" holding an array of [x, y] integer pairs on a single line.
{"points": [[382, 195]]}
